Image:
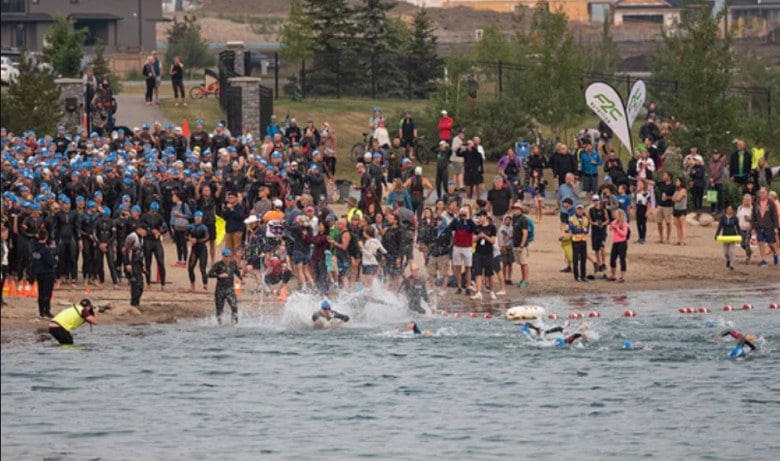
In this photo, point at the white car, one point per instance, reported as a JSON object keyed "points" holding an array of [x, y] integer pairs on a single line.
{"points": [[9, 73]]}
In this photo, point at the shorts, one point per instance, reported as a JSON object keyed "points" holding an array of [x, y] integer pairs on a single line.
{"points": [[157, 81], [483, 265], [344, 267], [496, 264], [507, 255], [457, 167], [407, 143], [664, 214], [392, 267], [678, 213], [598, 238], [765, 234], [521, 256], [462, 256], [370, 269], [438, 265], [300, 257]]}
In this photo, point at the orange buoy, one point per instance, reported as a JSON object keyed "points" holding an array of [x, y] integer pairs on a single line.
{"points": [[747, 306], [704, 310], [629, 313], [488, 315], [728, 308], [473, 315], [457, 315], [594, 314], [774, 306]]}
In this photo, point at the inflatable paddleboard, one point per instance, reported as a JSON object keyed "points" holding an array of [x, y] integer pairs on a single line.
{"points": [[729, 239], [524, 312]]}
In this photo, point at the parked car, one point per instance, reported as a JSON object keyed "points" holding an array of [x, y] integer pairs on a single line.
{"points": [[35, 58], [8, 71]]}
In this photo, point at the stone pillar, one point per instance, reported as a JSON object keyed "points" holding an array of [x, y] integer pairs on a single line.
{"points": [[237, 47], [250, 103], [71, 100]]}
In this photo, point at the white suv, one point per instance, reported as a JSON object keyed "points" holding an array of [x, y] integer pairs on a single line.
{"points": [[8, 71]]}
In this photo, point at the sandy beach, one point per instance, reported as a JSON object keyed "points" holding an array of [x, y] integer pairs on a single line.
{"points": [[652, 266]]}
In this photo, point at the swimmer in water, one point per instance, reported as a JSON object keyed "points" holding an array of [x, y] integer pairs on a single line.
{"points": [[570, 339], [528, 326], [742, 340], [412, 326], [326, 314]]}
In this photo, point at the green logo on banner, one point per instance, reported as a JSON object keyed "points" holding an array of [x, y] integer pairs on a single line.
{"points": [[608, 106]]}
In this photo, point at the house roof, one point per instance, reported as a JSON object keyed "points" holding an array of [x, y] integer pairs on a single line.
{"points": [[95, 17], [30, 17], [649, 4]]}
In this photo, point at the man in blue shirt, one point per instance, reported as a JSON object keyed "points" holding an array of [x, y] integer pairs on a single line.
{"points": [[567, 190], [590, 160]]}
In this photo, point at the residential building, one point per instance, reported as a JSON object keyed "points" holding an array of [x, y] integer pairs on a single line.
{"points": [[122, 25]]}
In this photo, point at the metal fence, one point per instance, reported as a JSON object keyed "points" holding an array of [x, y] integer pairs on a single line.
{"points": [[508, 79]]}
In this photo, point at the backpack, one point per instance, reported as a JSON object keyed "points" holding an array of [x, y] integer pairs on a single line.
{"points": [[530, 230]]}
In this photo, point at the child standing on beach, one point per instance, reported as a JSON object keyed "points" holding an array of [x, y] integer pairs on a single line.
{"points": [[728, 225]]}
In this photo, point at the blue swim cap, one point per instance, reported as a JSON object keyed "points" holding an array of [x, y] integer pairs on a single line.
{"points": [[126, 197], [627, 345], [91, 204], [154, 206], [79, 199], [709, 324], [226, 252], [325, 304], [198, 214], [135, 208], [560, 342], [525, 329], [107, 212], [737, 352], [98, 193]]}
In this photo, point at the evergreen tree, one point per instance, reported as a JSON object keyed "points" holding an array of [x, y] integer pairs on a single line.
{"points": [[379, 49], [552, 89], [701, 62], [296, 39], [606, 58], [334, 31], [101, 69], [63, 46], [426, 64], [185, 41], [32, 102]]}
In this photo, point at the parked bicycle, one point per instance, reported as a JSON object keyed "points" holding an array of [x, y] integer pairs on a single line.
{"points": [[203, 91], [422, 153], [360, 148]]}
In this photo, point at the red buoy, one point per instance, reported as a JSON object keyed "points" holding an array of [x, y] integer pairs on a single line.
{"points": [[682, 310], [444, 313], [629, 313], [473, 315], [593, 314], [704, 310], [747, 306], [728, 308], [553, 316], [774, 306], [690, 310], [457, 315], [488, 315]]}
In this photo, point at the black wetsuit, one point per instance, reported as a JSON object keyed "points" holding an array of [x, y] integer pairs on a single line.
{"points": [[415, 292], [225, 290], [333, 315]]}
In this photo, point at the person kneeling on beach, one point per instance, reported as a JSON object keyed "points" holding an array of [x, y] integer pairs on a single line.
{"points": [[225, 272], [71, 318], [325, 315]]}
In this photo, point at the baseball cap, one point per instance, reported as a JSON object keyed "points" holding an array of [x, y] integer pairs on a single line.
{"points": [[198, 214], [580, 205], [444, 112], [226, 252], [595, 197]]}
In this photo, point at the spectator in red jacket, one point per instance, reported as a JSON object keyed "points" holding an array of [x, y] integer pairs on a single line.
{"points": [[445, 127]]}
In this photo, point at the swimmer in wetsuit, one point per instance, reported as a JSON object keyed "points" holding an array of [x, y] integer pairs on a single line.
{"points": [[739, 350], [412, 326], [570, 339], [326, 314], [528, 326]]}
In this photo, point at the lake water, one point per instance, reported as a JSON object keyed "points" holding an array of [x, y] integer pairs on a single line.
{"points": [[478, 390]]}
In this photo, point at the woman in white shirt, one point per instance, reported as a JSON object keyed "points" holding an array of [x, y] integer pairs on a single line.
{"points": [[368, 250], [744, 217]]}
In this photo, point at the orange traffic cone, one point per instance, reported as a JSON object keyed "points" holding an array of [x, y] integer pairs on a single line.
{"points": [[6, 288], [185, 128], [13, 290], [87, 291], [237, 287], [282, 295], [26, 289]]}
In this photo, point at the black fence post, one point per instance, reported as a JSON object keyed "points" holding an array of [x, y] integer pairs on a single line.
{"points": [[276, 75], [302, 79], [409, 78], [500, 78], [338, 75], [373, 76]]}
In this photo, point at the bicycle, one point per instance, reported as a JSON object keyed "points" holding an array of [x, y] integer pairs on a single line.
{"points": [[422, 153], [203, 91], [359, 148]]}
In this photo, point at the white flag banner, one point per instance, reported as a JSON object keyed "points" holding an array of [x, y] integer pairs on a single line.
{"points": [[635, 101], [606, 103]]}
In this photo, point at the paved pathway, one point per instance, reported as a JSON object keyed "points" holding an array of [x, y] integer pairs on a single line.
{"points": [[132, 112]]}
